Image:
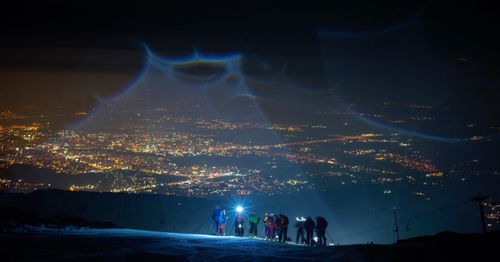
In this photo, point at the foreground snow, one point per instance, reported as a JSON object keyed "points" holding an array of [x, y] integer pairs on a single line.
{"points": [[150, 245], [126, 244]]}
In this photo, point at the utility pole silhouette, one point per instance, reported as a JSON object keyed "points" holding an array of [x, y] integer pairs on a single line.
{"points": [[480, 200], [396, 224]]}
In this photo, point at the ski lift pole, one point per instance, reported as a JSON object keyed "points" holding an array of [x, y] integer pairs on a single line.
{"points": [[396, 224]]}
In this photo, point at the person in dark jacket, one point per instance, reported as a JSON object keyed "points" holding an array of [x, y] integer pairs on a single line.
{"points": [[254, 220], [239, 221], [272, 222], [309, 227], [276, 225], [321, 225], [282, 228], [300, 230]]}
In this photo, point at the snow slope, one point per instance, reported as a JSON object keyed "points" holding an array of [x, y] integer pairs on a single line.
{"points": [[133, 245], [92, 244]]}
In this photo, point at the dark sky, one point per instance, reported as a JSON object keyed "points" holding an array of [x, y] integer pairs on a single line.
{"points": [[256, 26], [94, 47]]}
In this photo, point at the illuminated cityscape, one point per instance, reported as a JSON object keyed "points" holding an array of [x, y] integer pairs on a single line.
{"points": [[153, 157], [165, 152]]}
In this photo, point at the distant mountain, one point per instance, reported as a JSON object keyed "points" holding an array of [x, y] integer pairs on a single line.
{"points": [[13, 219]]}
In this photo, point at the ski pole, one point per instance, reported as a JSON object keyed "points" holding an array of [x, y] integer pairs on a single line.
{"points": [[330, 236]]}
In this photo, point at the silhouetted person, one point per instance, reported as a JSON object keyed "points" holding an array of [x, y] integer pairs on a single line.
{"points": [[309, 227], [321, 225], [254, 220], [215, 217], [219, 216], [221, 231], [300, 230], [271, 222], [276, 224], [239, 221], [267, 223], [283, 228]]}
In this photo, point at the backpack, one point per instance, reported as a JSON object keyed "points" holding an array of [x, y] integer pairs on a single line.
{"points": [[322, 223], [284, 220], [216, 214]]}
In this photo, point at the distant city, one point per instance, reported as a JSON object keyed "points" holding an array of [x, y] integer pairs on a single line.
{"points": [[151, 156], [204, 161]]}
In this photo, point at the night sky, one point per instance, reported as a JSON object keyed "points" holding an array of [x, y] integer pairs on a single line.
{"points": [[100, 42], [435, 64]]}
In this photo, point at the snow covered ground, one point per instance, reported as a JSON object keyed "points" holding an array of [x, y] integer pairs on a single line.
{"points": [[126, 244], [131, 245]]}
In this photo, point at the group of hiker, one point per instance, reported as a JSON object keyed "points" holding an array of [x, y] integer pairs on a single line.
{"points": [[309, 226], [276, 226]]}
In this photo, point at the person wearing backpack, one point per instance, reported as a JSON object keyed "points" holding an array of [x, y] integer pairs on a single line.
{"points": [[321, 225], [216, 217], [283, 228], [268, 222], [222, 223], [239, 221], [254, 220], [300, 230], [309, 227]]}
